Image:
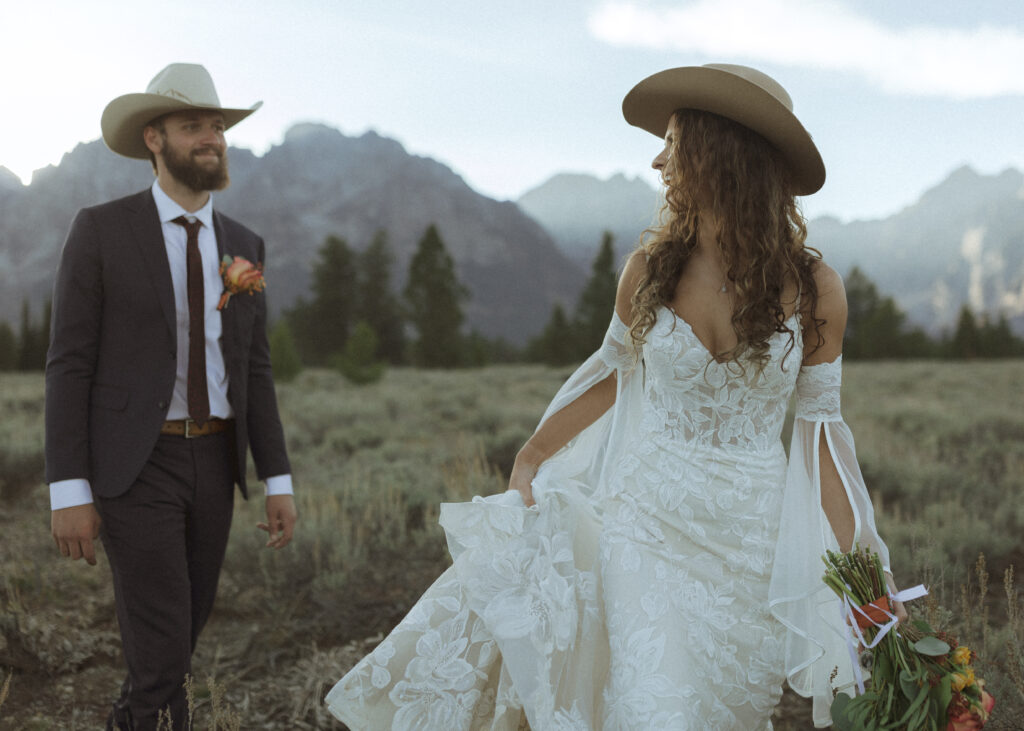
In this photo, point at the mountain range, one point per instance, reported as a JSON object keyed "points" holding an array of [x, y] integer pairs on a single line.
{"points": [[317, 182], [961, 242]]}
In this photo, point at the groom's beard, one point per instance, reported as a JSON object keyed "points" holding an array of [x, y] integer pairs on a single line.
{"points": [[193, 174]]}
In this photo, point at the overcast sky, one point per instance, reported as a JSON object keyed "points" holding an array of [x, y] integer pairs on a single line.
{"points": [[896, 94]]}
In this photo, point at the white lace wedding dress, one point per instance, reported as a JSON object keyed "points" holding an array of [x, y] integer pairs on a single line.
{"points": [[668, 578]]}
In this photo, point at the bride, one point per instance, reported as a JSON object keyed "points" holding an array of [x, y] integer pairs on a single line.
{"points": [[655, 562]]}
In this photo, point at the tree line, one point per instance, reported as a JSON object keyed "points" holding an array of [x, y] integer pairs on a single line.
{"points": [[356, 321], [355, 318], [877, 329]]}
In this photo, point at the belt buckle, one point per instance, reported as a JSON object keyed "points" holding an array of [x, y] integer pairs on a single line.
{"points": [[188, 434]]}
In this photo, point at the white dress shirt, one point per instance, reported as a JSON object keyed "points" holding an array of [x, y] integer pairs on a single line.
{"points": [[69, 493]]}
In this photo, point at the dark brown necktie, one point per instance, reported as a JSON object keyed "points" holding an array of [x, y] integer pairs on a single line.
{"points": [[198, 398]]}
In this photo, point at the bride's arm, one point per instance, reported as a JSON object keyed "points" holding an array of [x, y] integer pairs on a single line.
{"points": [[557, 432], [832, 308], [835, 502], [562, 426]]}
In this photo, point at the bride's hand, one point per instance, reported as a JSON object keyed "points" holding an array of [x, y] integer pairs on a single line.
{"points": [[897, 607], [523, 471]]}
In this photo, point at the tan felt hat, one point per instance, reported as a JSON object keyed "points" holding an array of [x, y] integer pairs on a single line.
{"points": [[179, 86], [742, 94]]}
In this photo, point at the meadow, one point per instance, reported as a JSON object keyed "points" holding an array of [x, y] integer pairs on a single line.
{"points": [[941, 446]]}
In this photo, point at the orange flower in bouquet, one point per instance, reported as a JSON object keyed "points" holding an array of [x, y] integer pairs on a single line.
{"points": [[918, 682], [239, 275]]}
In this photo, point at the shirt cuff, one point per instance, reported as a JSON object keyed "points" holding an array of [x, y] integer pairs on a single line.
{"points": [[279, 485], [69, 493]]}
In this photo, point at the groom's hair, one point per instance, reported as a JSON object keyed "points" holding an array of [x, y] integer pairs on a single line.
{"points": [[158, 125]]}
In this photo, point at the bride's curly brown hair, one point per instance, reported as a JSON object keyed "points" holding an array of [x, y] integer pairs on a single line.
{"points": [[722, 172]]}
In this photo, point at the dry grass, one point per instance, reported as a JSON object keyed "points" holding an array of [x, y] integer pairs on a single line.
{"points": [[941, 446]]}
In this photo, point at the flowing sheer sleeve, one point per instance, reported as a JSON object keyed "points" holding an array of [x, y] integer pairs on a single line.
{"points": [[816, 644], [585, 457]]}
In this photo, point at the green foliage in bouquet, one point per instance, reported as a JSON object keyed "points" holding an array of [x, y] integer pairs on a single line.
{"points": [[918, 681]]}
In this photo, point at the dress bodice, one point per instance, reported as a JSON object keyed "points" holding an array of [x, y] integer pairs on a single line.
{"points": [[690, 396]]}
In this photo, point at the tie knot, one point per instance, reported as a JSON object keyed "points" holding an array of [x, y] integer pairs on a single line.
{"points": [[191, 227]]}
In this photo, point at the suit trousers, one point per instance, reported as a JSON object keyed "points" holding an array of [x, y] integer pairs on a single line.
{"points": [[165, 540]]}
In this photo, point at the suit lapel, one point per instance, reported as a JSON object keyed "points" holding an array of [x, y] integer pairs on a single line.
{"points": [[149, 237], [228, 321]]}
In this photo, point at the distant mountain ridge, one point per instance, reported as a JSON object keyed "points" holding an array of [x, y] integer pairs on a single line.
{"points": [[577, 209], [963, 241], [317, 182]]}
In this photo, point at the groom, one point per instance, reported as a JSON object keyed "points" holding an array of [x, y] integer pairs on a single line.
{"points": [[154, 392]]}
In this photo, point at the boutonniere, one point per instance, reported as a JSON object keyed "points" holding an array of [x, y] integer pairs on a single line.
{"points": [[239, 275]]}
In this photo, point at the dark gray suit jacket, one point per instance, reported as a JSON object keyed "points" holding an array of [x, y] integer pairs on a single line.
{"points": [[110, 369]]}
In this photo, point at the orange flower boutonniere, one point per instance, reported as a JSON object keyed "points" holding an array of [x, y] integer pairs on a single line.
{"points": [[239, 275]]}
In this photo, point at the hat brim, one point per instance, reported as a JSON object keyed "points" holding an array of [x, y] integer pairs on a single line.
{"points": [[649, 105], [126, 116]]}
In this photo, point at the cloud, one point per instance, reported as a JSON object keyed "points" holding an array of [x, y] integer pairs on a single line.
{"points": [[985, 61]]}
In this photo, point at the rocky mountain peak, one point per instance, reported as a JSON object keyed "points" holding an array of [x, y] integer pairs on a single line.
{"points": [[317, 182], [8, 180], [965, 190]]}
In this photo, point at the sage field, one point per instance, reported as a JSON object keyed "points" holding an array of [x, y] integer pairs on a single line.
{"points": [[941, 445]]}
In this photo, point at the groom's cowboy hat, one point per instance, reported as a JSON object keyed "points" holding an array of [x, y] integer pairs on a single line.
{"points": [[742, 94], [178, 87]]}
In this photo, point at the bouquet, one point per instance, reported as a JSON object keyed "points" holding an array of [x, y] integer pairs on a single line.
{"points": [[920, 679]]}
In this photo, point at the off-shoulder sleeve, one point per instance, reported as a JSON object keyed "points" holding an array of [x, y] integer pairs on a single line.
{"points": [[815, 643]]}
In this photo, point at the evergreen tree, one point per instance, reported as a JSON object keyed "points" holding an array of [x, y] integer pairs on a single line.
{"points": [[555, 345], [376, 303], [862, 301], [875, 325], [321, 326], [995, 339], [966, 341], [32, 341], [597, 301], [885, 335], [284, 356], [434, 296], [8, 347], [477, 350], [359, 363]]}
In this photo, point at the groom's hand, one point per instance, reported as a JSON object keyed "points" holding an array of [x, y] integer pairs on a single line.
{"points": [[74, 530], [281, 517]]}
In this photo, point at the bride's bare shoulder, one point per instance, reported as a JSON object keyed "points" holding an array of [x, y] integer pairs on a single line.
{"points": [[632, 275], [831, 292], [823, 333]]}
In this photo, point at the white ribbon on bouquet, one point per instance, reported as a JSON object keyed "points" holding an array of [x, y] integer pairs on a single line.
{"points": [[849, 611]]}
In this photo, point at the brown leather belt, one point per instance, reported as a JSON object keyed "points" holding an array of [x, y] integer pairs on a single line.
{"points": [[190, 429]]}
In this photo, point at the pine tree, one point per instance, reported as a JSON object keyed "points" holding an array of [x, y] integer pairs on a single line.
{"points": [[966, 341], [284, 356], [995, 339], [876, 327], [32, 341], [359, 363], [8, 347], [321, 326], [555, 345], [597, 301], [862, 301], [433, 297], [376, 303]]}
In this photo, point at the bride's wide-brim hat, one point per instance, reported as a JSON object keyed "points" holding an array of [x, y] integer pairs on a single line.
{"points": [[178, 87], [740, 93]]}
